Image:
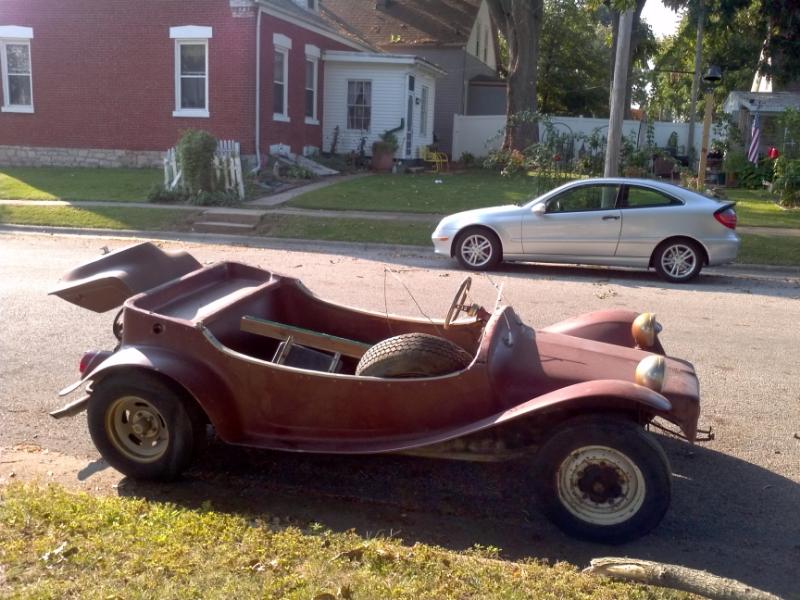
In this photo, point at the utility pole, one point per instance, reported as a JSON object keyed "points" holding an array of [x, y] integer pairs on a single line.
{"points": [[698, 67], [617, 111]]}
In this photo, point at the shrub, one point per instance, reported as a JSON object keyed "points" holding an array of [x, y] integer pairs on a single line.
{"points": [[468, 160], [787, 181], [196, 154], [158, 194], [218, 198]]}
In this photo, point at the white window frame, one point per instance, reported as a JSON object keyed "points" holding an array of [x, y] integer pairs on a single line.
{"points": [[313, 54], [19, 36], [283, 44], [347, 104], [424, 109], [190, 35]]}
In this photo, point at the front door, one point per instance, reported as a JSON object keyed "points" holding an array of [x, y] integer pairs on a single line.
{"points": [[582, 221], [410, 117]]}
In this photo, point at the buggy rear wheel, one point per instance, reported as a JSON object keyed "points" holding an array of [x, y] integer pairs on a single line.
{"points": [[143, 428], [603, 479]]}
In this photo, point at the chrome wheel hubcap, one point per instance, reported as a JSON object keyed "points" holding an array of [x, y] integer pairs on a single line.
{"points": [[600, 485], [476, 250], [679, 261], [137, 429]]}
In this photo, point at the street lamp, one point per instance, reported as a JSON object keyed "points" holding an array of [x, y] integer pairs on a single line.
{"points": [[712, 77]]}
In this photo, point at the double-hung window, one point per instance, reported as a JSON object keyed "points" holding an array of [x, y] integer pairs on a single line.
{"points": [[15, 68], [280, 77], [359, 104], [191, 70], [312, 72]]}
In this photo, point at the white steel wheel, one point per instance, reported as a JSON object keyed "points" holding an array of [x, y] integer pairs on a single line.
{"points": [[678, 261], [603, 479], [600, 485], [478, 249], [137, 429]]}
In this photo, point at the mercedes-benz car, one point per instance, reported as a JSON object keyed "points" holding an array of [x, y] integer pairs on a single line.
{"points": [[610, 221]]}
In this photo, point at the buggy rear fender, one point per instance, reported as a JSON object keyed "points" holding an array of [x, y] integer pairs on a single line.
{"points": [[203, 384]]}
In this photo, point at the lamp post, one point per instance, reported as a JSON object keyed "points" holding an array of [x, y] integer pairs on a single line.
{"points": [[712, 77]]}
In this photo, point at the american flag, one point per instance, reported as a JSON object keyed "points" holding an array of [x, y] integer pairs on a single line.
{"points": [[755, 140]]}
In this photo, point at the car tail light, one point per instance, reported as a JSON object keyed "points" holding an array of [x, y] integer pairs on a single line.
{"points": [[726, 216], [91, 359]]}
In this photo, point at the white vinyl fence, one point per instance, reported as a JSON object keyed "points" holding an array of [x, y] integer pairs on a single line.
{"points": [[479, 135], [227, 161]]}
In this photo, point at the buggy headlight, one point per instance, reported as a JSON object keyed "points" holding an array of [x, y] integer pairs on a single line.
{"points": [[650, 372], [644, 330]]}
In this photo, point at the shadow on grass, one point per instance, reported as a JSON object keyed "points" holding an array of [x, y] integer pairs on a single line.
{"points": [[728, 516]]}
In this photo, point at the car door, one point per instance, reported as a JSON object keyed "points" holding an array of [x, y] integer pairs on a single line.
{"points": [[580, 222], [648, 216]]}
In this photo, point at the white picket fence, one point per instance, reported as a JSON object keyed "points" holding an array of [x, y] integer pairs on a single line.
{"points": [[227, 162]]}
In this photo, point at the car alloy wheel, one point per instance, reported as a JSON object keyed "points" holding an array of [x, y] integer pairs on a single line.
{"points": [[679, 261], [478, 250]]}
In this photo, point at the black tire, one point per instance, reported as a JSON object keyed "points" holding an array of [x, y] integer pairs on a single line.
{"points": [[678, 260], [174, 429], [478, 249], [581, 468], [413, 355]]}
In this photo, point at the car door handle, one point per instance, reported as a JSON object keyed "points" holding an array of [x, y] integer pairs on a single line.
{"points": [[608, 217]]}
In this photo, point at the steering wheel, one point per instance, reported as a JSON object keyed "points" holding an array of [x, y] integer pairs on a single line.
{"points": [[458, 302]]}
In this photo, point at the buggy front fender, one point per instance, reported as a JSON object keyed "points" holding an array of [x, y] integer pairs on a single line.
{"points": [[203, 384]]}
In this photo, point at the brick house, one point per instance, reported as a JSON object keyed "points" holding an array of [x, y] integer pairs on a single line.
{"points": [[114, 82]]}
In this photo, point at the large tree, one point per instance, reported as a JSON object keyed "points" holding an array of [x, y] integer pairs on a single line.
{"points": [[520, 22]]}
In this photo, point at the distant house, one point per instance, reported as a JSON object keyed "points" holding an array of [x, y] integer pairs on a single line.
{"points": [[457, 35], [743, 106], [114, 82]]}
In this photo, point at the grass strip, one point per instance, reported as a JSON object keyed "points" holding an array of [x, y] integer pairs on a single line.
{"points": [[57, 544], [757, 208], [421, 194], [408, 233], [61, 183], [99, 217], [769, 250]]}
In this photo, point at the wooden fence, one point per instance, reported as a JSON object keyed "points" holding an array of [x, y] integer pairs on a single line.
{"points": [[227, 162]]}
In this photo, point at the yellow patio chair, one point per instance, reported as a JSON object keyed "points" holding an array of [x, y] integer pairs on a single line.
{"points": [[439, 160]]}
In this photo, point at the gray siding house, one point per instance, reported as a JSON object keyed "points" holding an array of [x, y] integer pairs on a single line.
{"points": [[459, 36]]}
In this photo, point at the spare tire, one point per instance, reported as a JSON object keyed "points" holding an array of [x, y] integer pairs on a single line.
{"points": [[413, 355]]}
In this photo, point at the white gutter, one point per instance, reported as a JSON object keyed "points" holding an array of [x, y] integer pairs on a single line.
{"points": [[258, 92]]}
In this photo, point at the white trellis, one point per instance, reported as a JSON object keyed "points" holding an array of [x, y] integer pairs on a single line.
{"points": [[227, 162]]}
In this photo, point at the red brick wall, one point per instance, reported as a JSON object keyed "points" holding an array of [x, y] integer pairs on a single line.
{"points": [[103, 73], [295, 133]]}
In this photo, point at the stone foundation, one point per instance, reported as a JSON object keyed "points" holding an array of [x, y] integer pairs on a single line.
{"points": [[28, 156]]}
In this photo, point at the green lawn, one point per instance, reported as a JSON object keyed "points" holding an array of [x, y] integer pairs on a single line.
{"points": [[56, 544], [757, 208], [769, 250], [58, 183], [421, 193], [99, 217], [348, 230]]}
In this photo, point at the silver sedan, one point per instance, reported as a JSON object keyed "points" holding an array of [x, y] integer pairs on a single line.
{"points": [[611, 221]]}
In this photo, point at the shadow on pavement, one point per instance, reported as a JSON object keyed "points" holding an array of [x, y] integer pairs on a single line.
{"points": [[728, 516]]}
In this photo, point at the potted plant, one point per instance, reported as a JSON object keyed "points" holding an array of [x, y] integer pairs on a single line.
{"points": [[383, 152]]}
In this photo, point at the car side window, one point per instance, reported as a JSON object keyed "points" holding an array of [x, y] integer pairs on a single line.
{"points": [[643, 198], [585, 198]]}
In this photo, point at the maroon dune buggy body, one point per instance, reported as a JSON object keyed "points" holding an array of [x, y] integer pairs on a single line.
{"points": [[270, 365]]}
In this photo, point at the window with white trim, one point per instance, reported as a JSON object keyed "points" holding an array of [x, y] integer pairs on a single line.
{"points": [[16, 69], [423, 111], [280, 77], [359, 104], [191, 70], [312, 76]]}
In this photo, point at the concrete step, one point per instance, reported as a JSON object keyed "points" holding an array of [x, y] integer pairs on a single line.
{"points": [[223, 227], [243, 216]]}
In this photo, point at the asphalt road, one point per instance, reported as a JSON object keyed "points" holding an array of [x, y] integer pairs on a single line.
{"points": [[735, 499]]}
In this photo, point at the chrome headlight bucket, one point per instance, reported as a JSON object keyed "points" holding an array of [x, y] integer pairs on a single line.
{"points": [[644, 330], [650, 372]]}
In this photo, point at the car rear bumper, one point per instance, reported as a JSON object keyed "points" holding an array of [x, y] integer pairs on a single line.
{"points": [[724, 250]]}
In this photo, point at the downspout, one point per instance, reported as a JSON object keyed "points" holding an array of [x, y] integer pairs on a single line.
{"points": [[258, 93]]}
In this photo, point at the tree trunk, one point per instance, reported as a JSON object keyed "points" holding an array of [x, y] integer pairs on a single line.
{"points": [[520, 21], [676, 577], [637, 35]]}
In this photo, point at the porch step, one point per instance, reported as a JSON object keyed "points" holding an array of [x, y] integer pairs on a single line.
{"points": [[224, 227]]}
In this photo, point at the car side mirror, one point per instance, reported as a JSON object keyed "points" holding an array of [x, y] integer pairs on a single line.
{"points": [[539, 209]]}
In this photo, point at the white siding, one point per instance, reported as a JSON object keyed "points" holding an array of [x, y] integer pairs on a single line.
{"points": [[483, 24], [389, 98]]}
